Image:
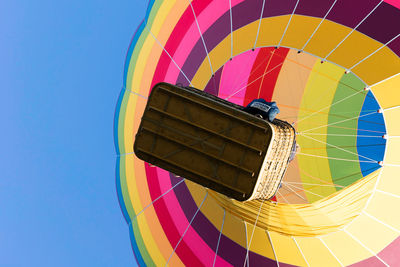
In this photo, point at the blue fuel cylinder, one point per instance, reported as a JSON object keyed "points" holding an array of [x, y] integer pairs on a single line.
{"points": [[268, 110]]}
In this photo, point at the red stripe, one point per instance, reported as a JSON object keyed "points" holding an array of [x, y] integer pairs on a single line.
{"points": [[199, 6], [265, 72], [181, 28], [172, 44], [183, 251]]}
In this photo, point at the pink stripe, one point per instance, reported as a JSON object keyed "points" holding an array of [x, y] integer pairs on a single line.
{"points": [[203, 252], [235, 76], [395, 3], [235, 2], [390, 254], [210, 14]]}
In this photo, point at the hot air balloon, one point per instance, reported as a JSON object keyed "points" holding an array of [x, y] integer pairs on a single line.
{"points": [[333, 68]]}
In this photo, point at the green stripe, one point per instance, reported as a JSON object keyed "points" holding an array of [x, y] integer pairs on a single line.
{"points": [[138, 239], [121, 122], [124, 188], [153, 12], [139, 242], [345, 172], [139, 45], [132, 215]]}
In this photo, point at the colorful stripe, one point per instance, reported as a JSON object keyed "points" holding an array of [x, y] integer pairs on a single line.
{"points": [[201, 46]]}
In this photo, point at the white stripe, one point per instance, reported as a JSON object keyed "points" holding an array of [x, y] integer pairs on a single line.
{"points": [[169, 56], [337, 102], [287, 25], [301, 252], [385, 224], [219, 238], [201, 36], [247, 243], [259, 24], [345, 150], [362, 60], [391, 165], [132, 92], [317, 178], [294, 192], [331, 185], [230, 13], [281, 195], [333, 123], [386, 109], [349, 160], [306, 190], [253, 81], [273, 250], [187, 228], [252, 234], [385, 80], [316, 29], [323, 242], [387, 193], [344, 135], [364, 246], [336, 113], [166, 192]]}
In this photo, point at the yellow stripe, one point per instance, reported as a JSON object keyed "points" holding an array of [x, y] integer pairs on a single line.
{"points": [[286, 249], [234, 229], [364, 44], [147, 237], [388, 181], [288, 93], [388, 93], [260, 243], [299, 24], [149, 44], [271, 31], [391, 118], [316, 253], [326, 38], [148, 222], [375, 209], [318, 95], [392, 151], [345, 248], [370, 233], [381, 65]]}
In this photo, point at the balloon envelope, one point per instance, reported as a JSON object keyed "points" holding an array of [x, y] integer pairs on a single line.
{"points": [[333, 69]]}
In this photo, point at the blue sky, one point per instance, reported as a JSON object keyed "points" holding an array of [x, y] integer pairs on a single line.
{"points": [[61, 73]]}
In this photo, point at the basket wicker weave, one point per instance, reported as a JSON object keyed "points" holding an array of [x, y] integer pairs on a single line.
{"points": [[276, 161]]}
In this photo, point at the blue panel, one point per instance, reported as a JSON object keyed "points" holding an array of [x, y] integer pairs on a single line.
{"points": [[371, 128], [135, 248]]}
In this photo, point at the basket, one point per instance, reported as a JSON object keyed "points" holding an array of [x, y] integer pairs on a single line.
{"points": [[276, 160]]}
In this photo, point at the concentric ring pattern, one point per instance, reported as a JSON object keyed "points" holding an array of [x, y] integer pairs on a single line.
{"points": [[333, 68]]}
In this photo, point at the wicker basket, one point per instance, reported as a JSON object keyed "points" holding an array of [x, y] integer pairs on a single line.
{"points": [[189, 132], [276, 161]]}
